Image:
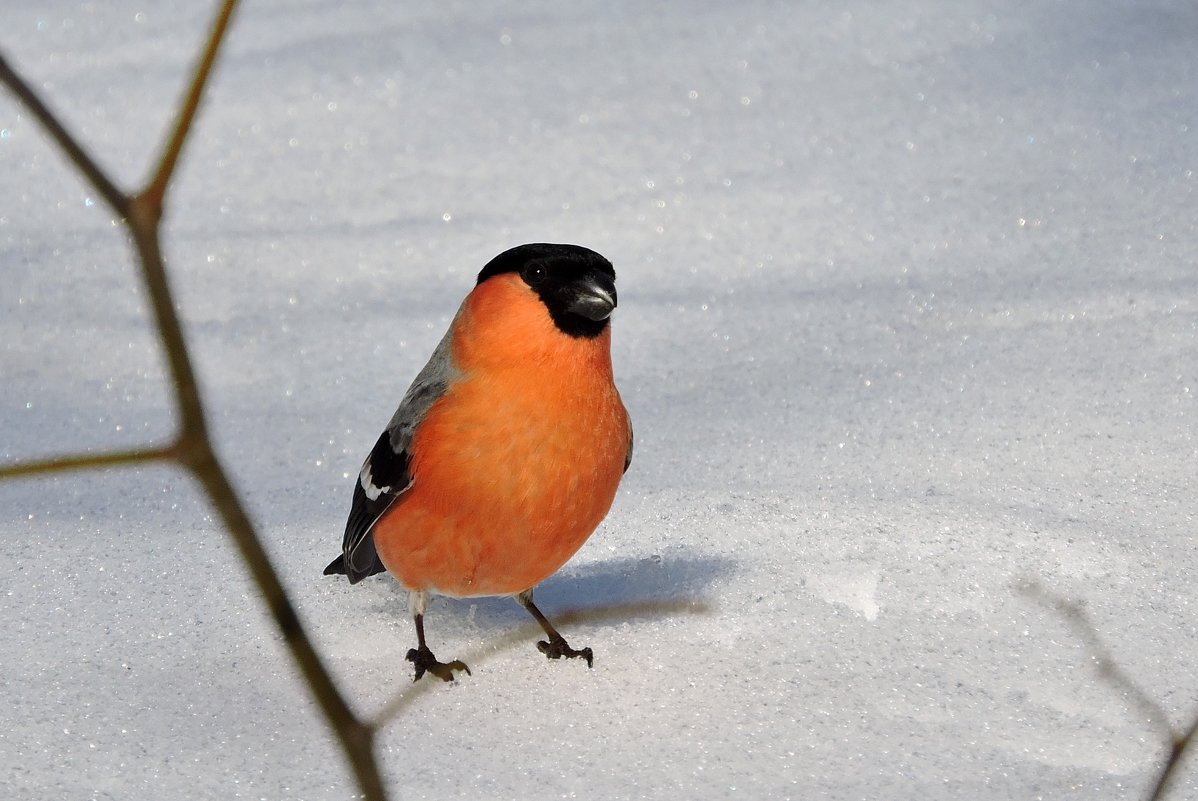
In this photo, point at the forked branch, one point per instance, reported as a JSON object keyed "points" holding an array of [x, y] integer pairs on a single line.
{"points": [[192, 447], [1176, 741]]}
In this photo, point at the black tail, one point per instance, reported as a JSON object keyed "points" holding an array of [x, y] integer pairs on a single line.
{"points": [[337, 568]]}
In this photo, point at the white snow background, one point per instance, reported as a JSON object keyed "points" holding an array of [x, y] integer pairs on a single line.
{"points": [[908, 316]]}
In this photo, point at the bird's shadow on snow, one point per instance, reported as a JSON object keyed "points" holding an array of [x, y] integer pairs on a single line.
{"points": [[649, 586]]}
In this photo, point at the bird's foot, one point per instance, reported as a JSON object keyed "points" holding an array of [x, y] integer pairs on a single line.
{"points": [[424, 661], [557, 647]]}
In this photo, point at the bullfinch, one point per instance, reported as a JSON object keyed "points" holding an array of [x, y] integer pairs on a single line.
{"points": [[506, 450]]}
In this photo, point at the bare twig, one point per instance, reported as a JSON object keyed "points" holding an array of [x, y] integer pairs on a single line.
{"points": [[356, 737], [60, 464], [1108, 668], [192, 448], [1179, 745], [115, 198], [155, 189]]}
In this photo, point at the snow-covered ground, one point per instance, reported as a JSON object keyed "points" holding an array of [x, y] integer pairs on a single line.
{"points": [[909, 316]]}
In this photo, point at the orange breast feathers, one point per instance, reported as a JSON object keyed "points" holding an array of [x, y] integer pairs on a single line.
{"points": [[517, 464]]}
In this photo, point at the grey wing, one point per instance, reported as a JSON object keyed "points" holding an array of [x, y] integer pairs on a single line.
{"points": [[386, 474]]}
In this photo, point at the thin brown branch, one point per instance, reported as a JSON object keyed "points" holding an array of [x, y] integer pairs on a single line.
{"points": [[356, 737], [155, 190], [193, 448], [62, 464], [143, 225], [1168, 770], [195, 451], [117, 200], [1108, 668], [1076, 615]]}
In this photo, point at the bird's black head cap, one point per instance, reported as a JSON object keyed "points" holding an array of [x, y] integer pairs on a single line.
{"points": [[576, 284]]}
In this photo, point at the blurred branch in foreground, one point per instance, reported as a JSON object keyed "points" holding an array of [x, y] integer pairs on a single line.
{"points": [[191, 448], [1075, 614]]}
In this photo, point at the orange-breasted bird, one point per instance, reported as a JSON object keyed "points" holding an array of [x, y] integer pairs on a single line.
{"points": [[506, 450]]}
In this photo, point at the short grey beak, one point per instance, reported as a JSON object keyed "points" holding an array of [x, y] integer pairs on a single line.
{"points": [[595, 299]]}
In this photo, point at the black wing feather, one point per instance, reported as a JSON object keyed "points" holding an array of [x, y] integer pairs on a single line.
{"points": [[628, 456], [387, 472]]}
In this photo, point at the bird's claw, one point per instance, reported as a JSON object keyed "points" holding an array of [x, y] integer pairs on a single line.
{"points": [[424, 661], [557, 647]]}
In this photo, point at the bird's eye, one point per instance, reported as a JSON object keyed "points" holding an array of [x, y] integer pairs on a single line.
{"points": [[534, 274]]}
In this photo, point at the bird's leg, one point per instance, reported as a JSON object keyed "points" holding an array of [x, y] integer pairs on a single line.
{"points": [[423, 658], [557, 647]]}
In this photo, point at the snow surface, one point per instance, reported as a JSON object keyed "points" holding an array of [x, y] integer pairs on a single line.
{"points": [[909, 316]]}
